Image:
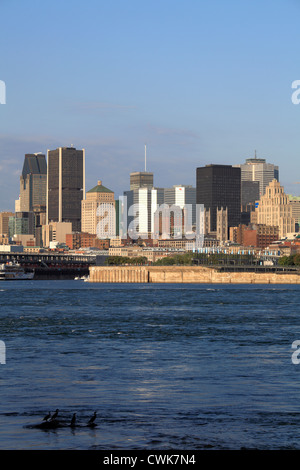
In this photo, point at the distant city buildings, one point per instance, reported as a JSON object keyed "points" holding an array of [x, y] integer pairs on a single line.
{"points": [[243, 205], [161, 212]]}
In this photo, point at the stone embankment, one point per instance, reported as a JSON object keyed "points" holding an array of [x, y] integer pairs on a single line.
{"points": [[185, 274]]}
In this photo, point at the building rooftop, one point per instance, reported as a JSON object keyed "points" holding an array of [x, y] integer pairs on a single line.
{"points": [[100, 189]]}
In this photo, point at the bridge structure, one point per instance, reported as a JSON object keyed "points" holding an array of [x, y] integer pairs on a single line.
{"points": [[51, 265]]}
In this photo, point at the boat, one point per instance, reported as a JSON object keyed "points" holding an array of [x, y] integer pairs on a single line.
{"points": [[14, 271], [82, 278]]}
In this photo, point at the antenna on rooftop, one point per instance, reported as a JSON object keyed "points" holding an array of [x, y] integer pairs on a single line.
{"points": [[255, 153], [145, 157]]}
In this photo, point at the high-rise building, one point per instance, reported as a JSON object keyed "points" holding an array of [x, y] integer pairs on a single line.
{"points": [[274, 208], [139, 210], [141, 179], [98, 212], [257, 169], [21, 223], [249, 193], [295, 203], [65, 185], [219, 186], [153, 212], [4, 220], [33, 182], [182, 196]]}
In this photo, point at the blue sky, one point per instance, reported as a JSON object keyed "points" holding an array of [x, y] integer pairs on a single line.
{"points": [[199, 81]]}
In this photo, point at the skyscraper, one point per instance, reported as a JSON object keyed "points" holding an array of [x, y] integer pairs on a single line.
{"points": [[141, 179], [257, 169], [98, 212], [33, 182], [274, 208], [219, 186], [182, 196], [65, 185]]}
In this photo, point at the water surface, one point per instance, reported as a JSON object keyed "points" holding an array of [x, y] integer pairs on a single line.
{"points": [[164, 365]]}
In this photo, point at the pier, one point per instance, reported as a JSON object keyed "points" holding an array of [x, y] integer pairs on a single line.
{"points": [[190, 274]]}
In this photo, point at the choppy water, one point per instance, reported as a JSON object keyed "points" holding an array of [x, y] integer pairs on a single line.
{"points": [[165, 366]]}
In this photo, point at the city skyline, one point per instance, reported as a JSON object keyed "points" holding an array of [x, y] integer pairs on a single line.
{"points": [[198, 83]]}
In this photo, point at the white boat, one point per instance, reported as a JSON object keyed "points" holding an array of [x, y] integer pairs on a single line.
{"points": [[82, 278], [14, 272]]}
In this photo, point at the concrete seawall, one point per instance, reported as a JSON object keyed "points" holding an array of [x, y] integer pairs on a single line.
{"points": [[185, 274]]}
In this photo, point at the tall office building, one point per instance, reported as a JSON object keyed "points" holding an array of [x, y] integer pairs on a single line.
{"points": [[249, 193], [274, 208], [21, 223], [33, 182], [141, 179], [65, 185], [4, 220], [257, 169], [295, 203], [139, 210], [219, 186], [156, 211], [182, 196], [98, 212]]}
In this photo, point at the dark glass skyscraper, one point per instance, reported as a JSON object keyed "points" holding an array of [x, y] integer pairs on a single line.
{"points": [[65, 185], [219, 186], [33, 182]]}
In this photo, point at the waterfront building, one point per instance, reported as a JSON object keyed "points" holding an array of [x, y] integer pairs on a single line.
{"points": [[65, 185], [274, 208], [219, 186], [257, 169], [55, 232], [24, 240], [77, 240], [98, 212], [254, 235]]}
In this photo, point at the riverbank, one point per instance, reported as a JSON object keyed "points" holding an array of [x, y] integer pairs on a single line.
{"points": [[186, 274]]}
